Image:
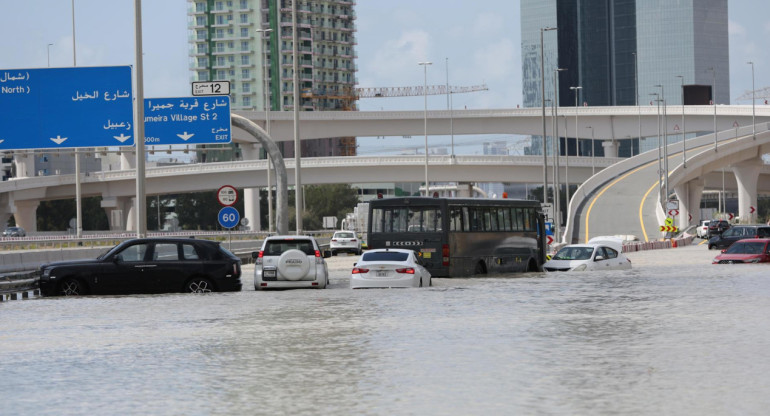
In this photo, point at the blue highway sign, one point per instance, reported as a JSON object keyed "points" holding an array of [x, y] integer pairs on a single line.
{"points": [[228, 217], [187, 120], [66, 107]]}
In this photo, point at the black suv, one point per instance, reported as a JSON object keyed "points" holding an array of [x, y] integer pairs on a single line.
{"points": [[146, 265], [717, 227], [738, 232]]}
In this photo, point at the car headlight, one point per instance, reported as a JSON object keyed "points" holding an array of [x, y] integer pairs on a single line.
{"points": [[579, 268]]}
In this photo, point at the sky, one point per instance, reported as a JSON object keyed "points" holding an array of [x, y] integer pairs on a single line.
{"points": [[478, 42]]}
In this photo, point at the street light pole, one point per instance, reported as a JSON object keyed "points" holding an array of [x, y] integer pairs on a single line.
{"points": [[577, 135], [49, 54], [556, 145], [265, 33], [451, 113], [660, 166], [542, 98], [665, 142], [593, 164], [714, 101], [425, 116], [753, 101], [636, 88], [684, 129]]}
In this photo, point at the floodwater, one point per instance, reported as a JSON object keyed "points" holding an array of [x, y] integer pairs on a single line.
{"points": [[675, 335]]}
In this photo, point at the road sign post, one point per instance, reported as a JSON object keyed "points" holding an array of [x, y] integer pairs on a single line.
{"points": [[55, 108], [187, 120]]}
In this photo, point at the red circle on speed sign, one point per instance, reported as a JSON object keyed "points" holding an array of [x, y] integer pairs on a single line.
{"points": [[227, 195]]}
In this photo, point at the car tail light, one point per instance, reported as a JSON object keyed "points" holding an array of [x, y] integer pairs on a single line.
{"points": [[236, 271], [407, 270], [445, 255], [259, 257], [318, 257], [358, 270], [353, 240], [334, 239]]}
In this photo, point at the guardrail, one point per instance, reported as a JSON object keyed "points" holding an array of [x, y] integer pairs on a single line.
{"points": [[17, 286]]}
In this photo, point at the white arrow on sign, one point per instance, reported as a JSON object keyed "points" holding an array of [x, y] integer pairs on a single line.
{"points": [[122, 138], [185, 136], [1, 140], [58, 139]]}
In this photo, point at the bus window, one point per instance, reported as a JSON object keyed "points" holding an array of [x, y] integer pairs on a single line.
{"points": [[494, 225], [455, 219], [377, 220], [528, 220], [432, 220]]}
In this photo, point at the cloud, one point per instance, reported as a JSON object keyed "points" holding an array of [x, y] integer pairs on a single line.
{"points": [[398, 58], [735, 29]]}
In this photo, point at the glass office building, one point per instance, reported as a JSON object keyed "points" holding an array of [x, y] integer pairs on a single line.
{"points": [[611, 47]]}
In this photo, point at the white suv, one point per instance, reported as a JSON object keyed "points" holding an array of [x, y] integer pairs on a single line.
{"points": [[290, 261], [345, 241], [703, 229]]}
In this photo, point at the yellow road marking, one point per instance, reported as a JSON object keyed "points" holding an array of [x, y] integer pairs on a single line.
{"points": [[591, 206], [641, 221]]}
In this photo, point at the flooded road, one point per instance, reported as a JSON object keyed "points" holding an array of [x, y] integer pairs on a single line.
{"points": [[674, 335]]}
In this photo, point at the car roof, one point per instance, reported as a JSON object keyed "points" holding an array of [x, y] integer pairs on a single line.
{"points": [[290, 237], [171, 240], [754, 240]]}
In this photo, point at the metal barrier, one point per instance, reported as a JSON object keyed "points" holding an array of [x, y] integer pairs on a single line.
{"points": [[18, 286]]}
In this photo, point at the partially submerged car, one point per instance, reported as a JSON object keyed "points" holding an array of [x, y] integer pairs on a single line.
{"points": [[750, 250], [597, 254]]}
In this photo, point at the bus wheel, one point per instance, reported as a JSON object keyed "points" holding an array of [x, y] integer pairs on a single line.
{"points": [[480, 268], [532, 267]]}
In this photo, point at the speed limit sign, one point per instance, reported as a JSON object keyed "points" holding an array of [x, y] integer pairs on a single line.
{"points": [[227, 196]]}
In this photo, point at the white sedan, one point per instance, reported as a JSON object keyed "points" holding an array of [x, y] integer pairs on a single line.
{"points": [[580, 257], [383, 268]]}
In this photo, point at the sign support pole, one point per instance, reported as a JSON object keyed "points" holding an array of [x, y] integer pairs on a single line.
{"points": [[139, 202], [78, 191]]}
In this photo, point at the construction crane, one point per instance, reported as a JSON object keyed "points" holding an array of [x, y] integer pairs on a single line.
{"points": [[761, 94]]}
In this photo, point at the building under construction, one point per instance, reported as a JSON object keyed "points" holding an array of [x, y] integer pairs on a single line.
{"points": [[249, 43]]}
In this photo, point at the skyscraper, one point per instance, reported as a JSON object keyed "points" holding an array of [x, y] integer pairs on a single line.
{"points": [[612, 48], [226, 45]]}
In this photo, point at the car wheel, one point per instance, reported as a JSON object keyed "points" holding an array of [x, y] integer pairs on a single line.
{"points": [[199, 285], [430, 281], [480, 268], [333, 253], [421, 282], [711, 246], [71, 287]]}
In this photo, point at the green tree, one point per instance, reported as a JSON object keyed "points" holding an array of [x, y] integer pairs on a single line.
{"points": [[327, 201], [55, 215]]}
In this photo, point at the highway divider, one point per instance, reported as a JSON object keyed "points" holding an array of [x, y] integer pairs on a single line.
{"points": [[656, 245]]}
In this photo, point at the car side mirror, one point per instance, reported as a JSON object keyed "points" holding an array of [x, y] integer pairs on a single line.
{"points": [[118, 258], [254, 254], [599, 258], [327, 254]]}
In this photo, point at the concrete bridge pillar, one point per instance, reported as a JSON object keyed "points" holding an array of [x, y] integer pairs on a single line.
{"points": [[25, 166], [747, 174], [117, 209], [26, 214], [689, 195], [127, 158], [251, 195], [610, 148]]}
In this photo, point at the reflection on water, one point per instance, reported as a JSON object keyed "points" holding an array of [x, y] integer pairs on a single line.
{"points": [[642, 341]]}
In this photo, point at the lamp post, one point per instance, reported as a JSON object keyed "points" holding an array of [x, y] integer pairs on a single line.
{"points": [[556, 145], [577, 135], [684, 129], [665, 142], [714, 101], [593, 164], [636, 88], [660, 167], [425, 116], [265, 33], [49, 54], [753, 108], [542, 98], [449, 107]]}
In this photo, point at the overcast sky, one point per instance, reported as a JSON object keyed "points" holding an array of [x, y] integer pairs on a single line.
{"points": [[480, 39]]}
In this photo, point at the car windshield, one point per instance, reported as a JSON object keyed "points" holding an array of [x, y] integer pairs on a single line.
{"points": [[746, 248], [343, 235], [384, 256], [574, 253]]}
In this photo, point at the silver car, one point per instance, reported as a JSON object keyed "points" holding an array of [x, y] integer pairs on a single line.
{"points": [[346, 241], [290, 262], [14, 232]]}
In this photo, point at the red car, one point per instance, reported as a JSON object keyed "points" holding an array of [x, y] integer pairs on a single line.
{"points": [[750, 250]]}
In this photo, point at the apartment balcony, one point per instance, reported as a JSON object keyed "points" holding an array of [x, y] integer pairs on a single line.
{"points": [[193, 11]]}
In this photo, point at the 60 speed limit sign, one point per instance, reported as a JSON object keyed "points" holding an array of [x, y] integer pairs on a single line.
{"points": [[227, 195]]}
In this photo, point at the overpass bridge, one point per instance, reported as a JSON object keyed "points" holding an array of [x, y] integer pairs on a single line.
{"points": [[609, 124]]}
